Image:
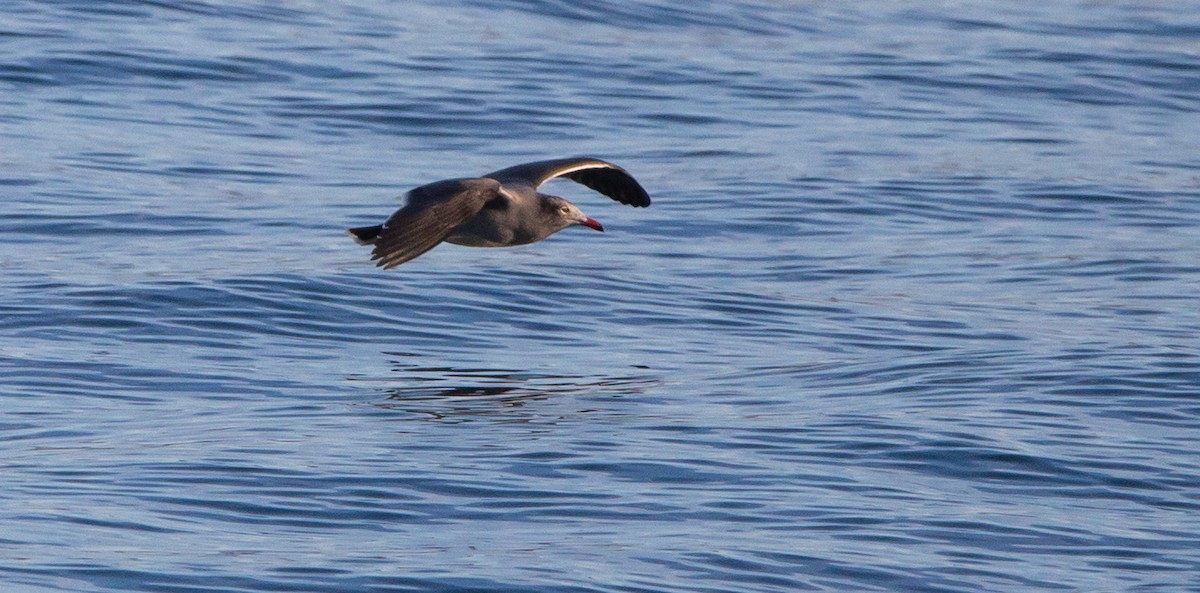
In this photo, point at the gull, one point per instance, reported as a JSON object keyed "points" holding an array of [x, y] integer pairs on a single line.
{"points": [[501, 209]]}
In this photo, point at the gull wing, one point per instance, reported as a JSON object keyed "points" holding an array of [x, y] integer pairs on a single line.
{"points": [[431, 213], [602, 176]]}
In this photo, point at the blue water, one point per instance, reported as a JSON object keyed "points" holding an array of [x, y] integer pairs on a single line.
{"points": [[915, 308]]}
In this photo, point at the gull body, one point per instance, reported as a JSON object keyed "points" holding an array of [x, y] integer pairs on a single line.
{"points": [[501, 209]]}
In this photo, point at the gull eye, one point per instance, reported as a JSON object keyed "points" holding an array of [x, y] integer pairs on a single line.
{"points": [[564, 210]]}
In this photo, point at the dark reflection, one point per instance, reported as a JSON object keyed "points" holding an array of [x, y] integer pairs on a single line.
{"points": [[444, 392]]}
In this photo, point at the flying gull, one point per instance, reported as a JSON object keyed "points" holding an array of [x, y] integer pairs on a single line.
{"points": [[500, 209]]}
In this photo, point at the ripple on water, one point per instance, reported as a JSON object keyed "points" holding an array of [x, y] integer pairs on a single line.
{"points": [[912, 310]]}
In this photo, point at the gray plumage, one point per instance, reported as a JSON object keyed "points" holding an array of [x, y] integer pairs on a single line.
{"points": [[500, 209]]}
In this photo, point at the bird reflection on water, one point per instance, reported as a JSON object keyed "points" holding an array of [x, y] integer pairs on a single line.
{"points": [[448, 392]]}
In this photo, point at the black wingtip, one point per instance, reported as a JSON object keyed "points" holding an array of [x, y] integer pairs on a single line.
{"points": [[615, 183], [365, 235]]}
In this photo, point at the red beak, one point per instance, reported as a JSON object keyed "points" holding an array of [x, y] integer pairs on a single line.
{"points": [[592, 223]]}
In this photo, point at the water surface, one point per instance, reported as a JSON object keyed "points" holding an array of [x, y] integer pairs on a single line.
{"points": [[914, 308]]}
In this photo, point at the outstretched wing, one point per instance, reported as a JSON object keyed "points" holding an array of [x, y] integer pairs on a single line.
{"points": [[602, 176], [432, 212]]}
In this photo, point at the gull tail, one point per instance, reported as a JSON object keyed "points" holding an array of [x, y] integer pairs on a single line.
{"points": [[366, 235]]}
